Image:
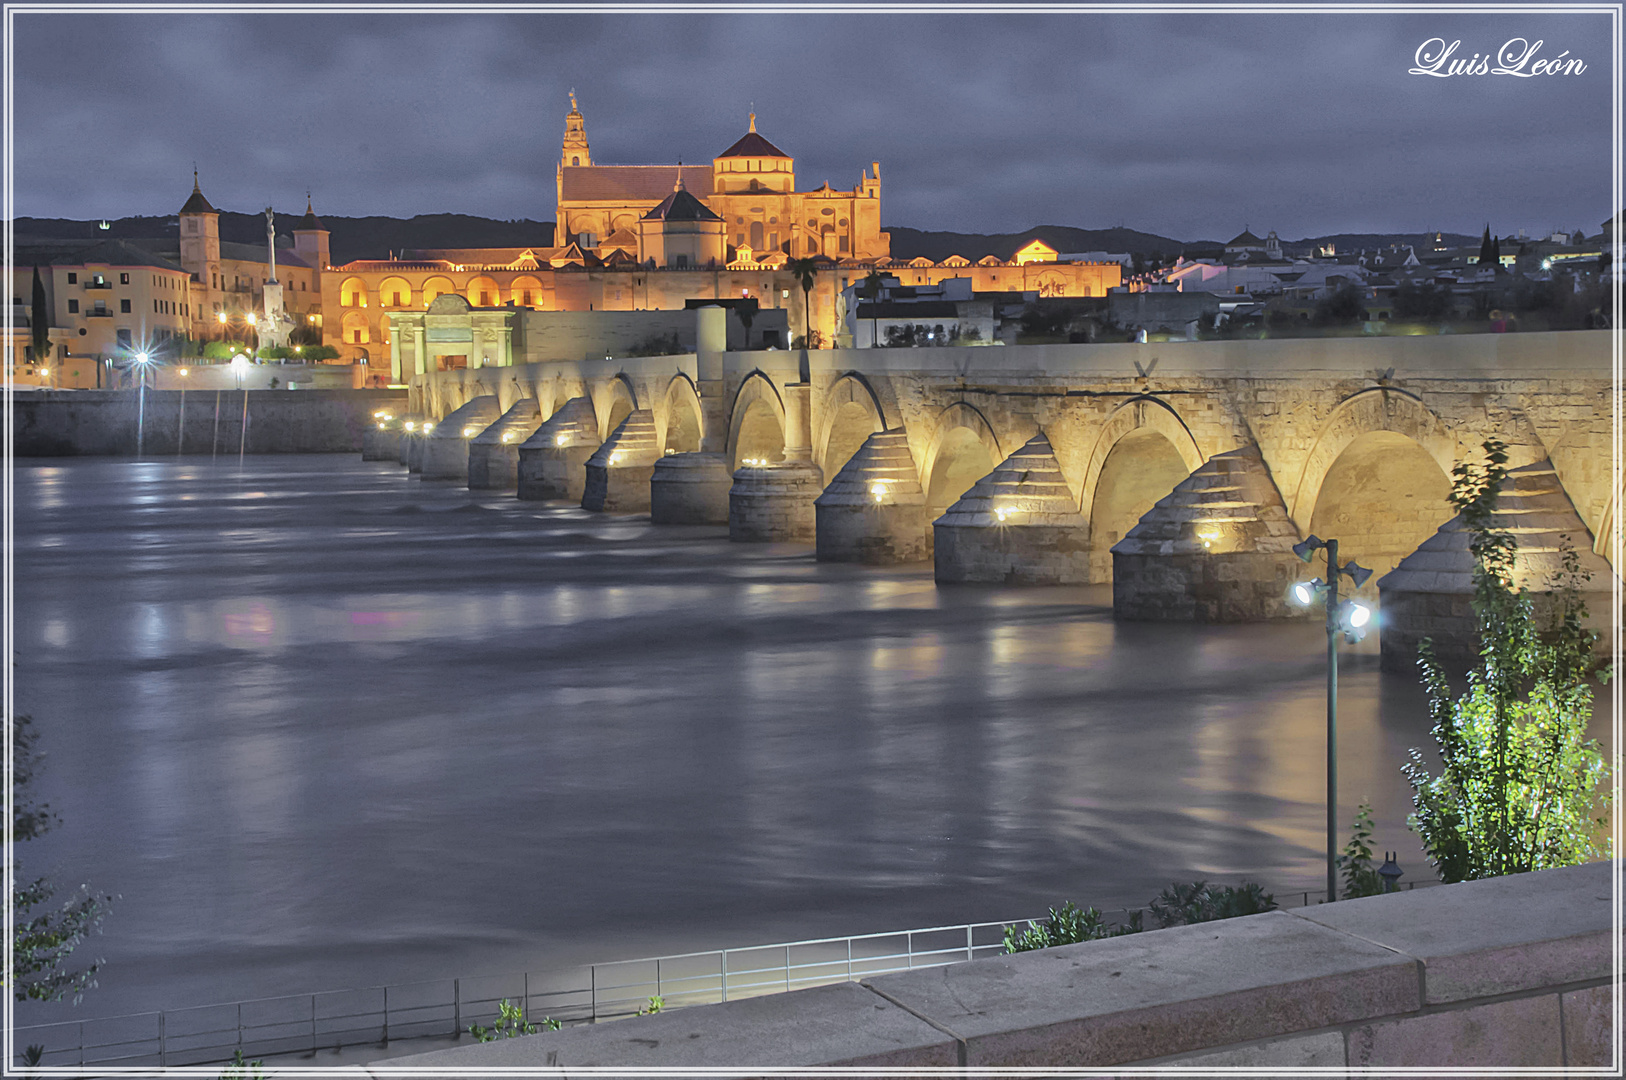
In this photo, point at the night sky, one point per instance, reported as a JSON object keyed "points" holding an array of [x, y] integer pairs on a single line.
{"points": [[1189, 126]]}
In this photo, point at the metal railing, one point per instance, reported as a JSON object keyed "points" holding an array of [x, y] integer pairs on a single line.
{"points": [[444, 1009]]}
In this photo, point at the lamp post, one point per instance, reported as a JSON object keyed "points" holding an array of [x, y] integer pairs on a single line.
{"points": [[1350, 619], [142, 361]]}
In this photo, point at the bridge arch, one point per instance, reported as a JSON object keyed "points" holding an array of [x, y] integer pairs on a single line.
{"points": [[852, 413], [1377, 479], [963, 450], [684, 423], [613, 401], [1374, 409], [756, 421], [1140, 453]]}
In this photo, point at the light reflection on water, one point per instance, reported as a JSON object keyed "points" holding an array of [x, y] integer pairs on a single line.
{"points": [[324, 726]]}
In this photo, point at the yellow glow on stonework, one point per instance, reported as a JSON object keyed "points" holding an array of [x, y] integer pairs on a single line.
{"points": [[469, 432], [1001, 512], [412, 425], [878, 490], [560, 439]]}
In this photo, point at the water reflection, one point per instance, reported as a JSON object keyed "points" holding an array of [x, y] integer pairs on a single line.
{"points": [[343, 728]]}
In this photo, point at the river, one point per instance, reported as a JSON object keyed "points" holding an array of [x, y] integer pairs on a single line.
{"points": [[321, 725]]}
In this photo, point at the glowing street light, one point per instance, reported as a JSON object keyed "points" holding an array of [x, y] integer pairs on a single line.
{"points": [[142, 362], [1349, 618]]}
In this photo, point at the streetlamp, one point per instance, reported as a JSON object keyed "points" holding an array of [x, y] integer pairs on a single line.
{"points": [[142, 362], [1349, 618]]}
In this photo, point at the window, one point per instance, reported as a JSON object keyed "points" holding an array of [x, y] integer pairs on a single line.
{"points": [[124, 279], [842, 246], [73, 305], [73, 279], [575, 161], [124, 336], [124, 307]]}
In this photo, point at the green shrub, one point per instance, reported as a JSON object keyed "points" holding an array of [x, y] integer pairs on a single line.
{"points": [[510, 1025], [1066, 926], [1360, 877], [1180, 905], [1520, 787]]}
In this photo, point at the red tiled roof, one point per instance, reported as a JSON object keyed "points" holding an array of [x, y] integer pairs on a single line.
{"points": [[632, 183]]}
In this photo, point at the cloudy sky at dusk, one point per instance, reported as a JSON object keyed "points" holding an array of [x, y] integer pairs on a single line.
{"points": [[1185, 125]]}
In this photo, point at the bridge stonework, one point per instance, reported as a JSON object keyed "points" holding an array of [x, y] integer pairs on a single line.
{"points": [[1358, 435]]}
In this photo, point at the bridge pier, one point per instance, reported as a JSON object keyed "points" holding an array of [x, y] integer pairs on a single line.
{"points": [[552, 462], [1216, 549], [446, 453], [874, 510], [690, 489], [1430, 593], [409, 425], [416, 443], [494, 453], [618, 474], [774, 503], [1019, 525]]}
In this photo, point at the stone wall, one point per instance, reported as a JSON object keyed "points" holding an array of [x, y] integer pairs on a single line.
{"points": [[98, 422], [1512, 971]]}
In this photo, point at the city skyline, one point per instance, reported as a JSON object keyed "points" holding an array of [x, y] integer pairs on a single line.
{"points": [[1189, 126]]}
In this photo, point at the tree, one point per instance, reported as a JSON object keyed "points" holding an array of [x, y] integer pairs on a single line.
{"points": [[42, 943], [1421, 301], [1519, 786], [870, 290], [1340, 307], [39, 321], [805, 271], [1486, 252]]}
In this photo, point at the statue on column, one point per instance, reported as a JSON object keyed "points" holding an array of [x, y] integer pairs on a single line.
{"points": [[277, 325]]}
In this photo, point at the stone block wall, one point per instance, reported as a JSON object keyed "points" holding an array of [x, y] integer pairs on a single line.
{"points": [[104, 422], [1012, 554], [553, 472], [690, 489], [1513, 971], [1241, 586], [774, 503]]}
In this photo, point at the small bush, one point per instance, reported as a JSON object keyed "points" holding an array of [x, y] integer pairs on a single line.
{"points": [[510, 1025], [1360, 877], [1066, 926], [1181, 905]]}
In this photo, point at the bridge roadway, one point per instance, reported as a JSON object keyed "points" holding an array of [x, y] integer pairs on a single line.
{"points": [[1269, 440]]}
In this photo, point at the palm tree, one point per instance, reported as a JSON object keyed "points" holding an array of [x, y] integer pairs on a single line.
{"points": [[871, 290], [804, 271]]}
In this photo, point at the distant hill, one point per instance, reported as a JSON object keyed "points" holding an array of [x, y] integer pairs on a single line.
{"points": [[377, 237], [352, 238], [937, 246]]}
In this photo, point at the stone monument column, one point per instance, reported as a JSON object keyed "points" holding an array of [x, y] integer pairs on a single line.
{"points": [[798, 421], [420, 358]]}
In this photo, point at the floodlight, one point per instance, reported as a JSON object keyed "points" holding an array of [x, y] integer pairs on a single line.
{"points": [[1357, 573], [1307, 547]]}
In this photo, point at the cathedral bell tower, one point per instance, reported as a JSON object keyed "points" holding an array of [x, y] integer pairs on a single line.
{"points": [[575, 150], [573, 154]]}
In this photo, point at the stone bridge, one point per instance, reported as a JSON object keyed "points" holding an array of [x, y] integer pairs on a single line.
{"points": [[1180, 472]]}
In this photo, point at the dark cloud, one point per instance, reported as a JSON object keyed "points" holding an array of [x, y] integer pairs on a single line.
{"points": [[1187, 125]]}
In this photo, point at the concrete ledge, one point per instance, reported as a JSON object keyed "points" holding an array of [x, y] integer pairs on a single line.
{"points": [[842, 1024], [1512, 971]]}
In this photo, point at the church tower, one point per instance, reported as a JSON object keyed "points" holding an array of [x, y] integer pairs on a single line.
{"points": [[200, 234], [575, 151], [311, 239]]}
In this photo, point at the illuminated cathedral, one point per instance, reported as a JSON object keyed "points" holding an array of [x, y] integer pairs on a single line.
{"points": [[750, 188]]}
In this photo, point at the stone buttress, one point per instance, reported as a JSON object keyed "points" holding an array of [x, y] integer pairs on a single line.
{"points": [[774, 503], [1430, 593], [494, 453], [618, 473], [690, 489], [446, 453], [1019, 524], [874, 511], [552, 462], [382, 441], [1218, 548]]}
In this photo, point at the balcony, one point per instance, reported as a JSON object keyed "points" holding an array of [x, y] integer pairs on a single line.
{"points": [[98, 285], [99, 313]]}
